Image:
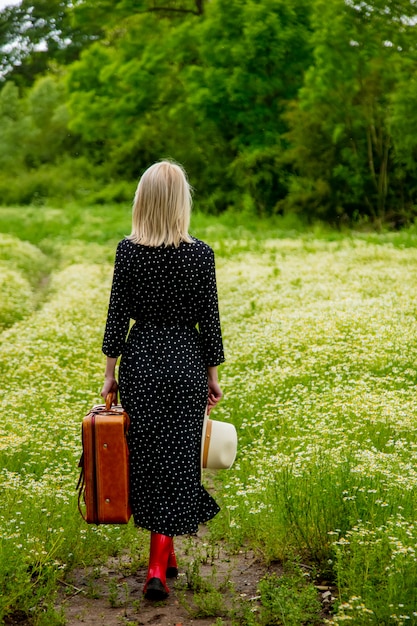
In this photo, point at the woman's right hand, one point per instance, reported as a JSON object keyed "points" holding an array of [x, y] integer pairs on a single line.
{"points": [[214, 391], [215, 394]]}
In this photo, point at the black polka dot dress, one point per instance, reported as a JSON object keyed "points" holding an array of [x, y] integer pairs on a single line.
{"points": [[171, 295]]}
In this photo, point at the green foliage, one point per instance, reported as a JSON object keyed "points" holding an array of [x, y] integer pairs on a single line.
{"points": [[289, 600], [199, 89], [340, 132], [49, 117], [66, 181], [24, 257], [402, 122], [362, 557], [15, 129], [65, 231], [34, 131], [255, 67], [36, 35], [208, 604], [16, 296], [208, 599], [22, 266], [272, 106]]}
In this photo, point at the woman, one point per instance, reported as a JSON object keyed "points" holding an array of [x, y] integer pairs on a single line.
{"points": [[164, 280]]}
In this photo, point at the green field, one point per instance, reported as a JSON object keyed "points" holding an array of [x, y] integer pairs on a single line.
{"points": [[320, 333]]}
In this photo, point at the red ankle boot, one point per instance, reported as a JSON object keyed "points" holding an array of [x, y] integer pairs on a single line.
{"points": [[172, 569], [155, 587]]}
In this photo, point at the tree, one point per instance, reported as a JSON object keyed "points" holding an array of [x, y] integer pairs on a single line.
{"points": [[252, 57], [49, 118], [341, 142], [403, 118], [125, 96], [36, 34], [206, 89], [15, 128]]}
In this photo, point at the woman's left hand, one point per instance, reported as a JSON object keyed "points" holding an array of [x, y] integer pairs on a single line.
{"points": [[110, 386]]}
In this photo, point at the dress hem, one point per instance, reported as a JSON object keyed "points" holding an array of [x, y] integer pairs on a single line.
{"points": [[157, 529]]}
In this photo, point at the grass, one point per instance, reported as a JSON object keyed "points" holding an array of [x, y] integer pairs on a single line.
{"points": [[320, 332], [289, 600]]}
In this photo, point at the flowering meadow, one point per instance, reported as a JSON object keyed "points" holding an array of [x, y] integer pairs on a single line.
{"points": [[320, 333]]}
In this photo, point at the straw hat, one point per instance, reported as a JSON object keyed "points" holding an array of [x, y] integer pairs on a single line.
{"points": [[218, 444]]}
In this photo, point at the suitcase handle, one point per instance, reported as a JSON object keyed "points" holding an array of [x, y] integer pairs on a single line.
{"points": [[111, 399]]}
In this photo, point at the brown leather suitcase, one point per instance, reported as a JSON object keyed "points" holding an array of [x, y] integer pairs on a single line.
{"points": [[104, 477]]}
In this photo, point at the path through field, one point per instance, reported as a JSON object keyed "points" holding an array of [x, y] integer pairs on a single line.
{"points": [[111, 594]]}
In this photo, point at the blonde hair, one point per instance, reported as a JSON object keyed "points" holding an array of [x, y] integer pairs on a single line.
{"points": [[162, 206]]}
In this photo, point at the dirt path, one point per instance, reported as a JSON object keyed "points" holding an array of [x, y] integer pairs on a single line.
{"points": [[112, 595]]}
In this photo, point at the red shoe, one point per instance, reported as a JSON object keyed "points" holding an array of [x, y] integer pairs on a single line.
{"points": [[172, 569], [155, 587]]}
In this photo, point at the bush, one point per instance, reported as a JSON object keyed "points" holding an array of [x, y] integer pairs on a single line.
{"points": [[72, 179], [120, 192]]}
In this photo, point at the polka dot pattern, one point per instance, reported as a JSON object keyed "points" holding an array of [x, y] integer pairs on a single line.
{"points": [[171, 295]]}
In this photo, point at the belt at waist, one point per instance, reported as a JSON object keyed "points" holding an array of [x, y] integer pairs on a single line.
{"points": [[162, 324]]}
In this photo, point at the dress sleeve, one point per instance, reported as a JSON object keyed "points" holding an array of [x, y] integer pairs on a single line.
{"points": [[118, 316], [209, 322]]}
